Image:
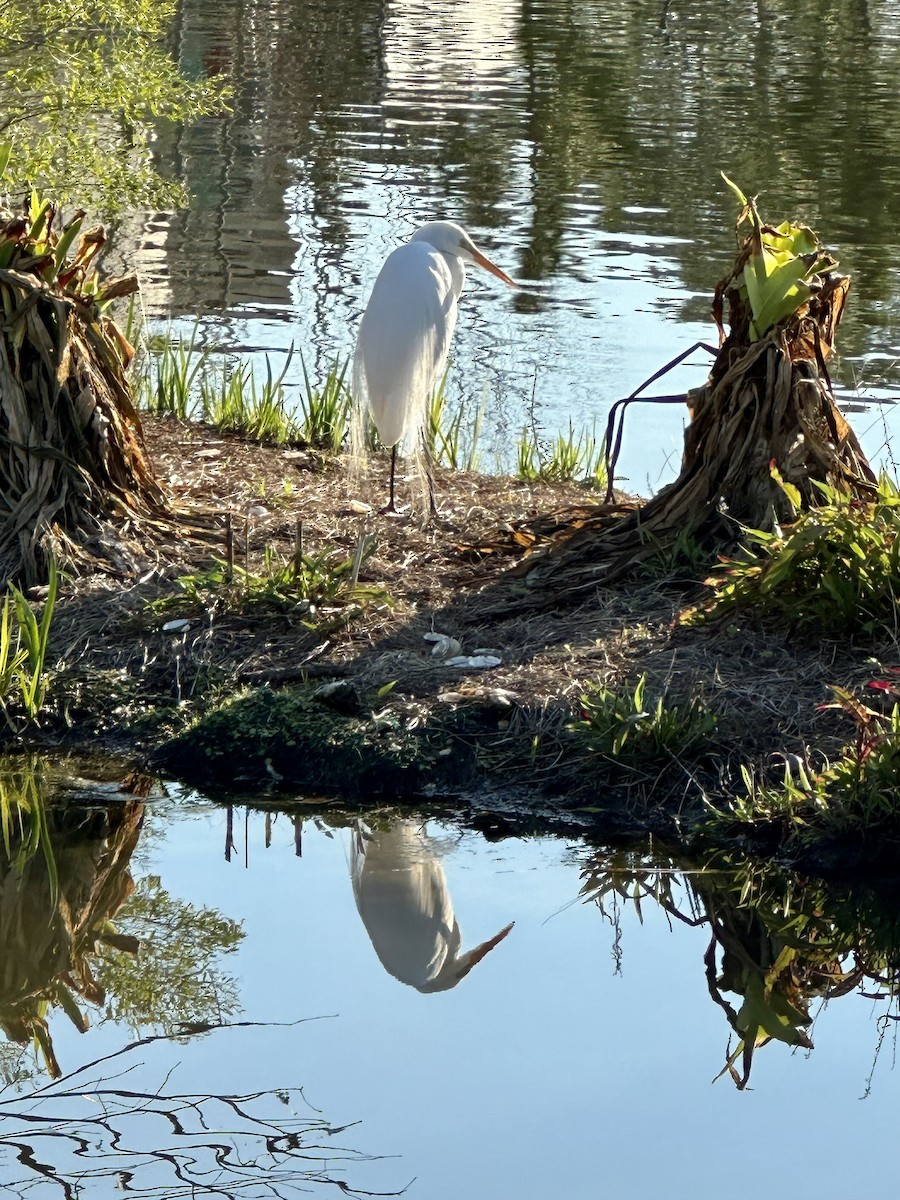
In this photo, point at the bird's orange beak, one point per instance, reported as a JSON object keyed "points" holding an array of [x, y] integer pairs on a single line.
{"points": [[483, 261], [475, 956]]}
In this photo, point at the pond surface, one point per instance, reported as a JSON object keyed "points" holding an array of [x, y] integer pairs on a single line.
{"points": [[575, 1057], [580, 143]]}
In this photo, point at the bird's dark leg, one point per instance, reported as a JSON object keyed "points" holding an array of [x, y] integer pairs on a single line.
{"points": [[390, 507]]}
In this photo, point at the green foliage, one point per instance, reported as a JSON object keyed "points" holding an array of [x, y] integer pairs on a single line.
{"points": [[325, 422], [835, 568], [450, 440], [855, 797], [268, 734], [81, 84], [175, 979], [781, 267], [23, 650], [234, 401], [562, 459], [34, 636], [168, 384], [616, 723], [179, 378], [323, 590]]}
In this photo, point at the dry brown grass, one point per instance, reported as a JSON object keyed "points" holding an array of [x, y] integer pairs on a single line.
{"points": [[453, 576]]}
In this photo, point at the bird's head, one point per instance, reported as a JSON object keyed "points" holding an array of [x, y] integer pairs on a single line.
{"points": [[451, 239]]}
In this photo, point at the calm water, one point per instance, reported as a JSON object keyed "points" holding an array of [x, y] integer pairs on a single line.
{"points": [[579, 142], [576, 1058]]}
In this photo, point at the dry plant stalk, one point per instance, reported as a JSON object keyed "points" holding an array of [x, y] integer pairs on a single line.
{"points": [[71, 446], [767, 400]]}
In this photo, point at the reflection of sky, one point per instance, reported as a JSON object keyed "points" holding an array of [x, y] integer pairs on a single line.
{"points": [[543, 1073]]}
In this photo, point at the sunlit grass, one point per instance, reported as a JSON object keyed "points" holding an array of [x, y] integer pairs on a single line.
{"points": [[232, 399], [835, 568], [560, 459]]}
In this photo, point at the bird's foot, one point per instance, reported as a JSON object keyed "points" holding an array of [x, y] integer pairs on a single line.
{"points": [[390, 510]]}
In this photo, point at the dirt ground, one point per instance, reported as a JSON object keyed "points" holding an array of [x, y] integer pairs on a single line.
{"points": [[459, 576]]}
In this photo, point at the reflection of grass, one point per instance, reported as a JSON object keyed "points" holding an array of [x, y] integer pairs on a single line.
{"points": [[23, 817], [779, 941]]}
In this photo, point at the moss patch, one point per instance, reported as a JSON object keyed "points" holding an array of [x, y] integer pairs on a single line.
{"points": [[291, 739]]}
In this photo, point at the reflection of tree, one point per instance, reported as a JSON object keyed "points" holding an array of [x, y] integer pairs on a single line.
{"points": [[778, 941], [58, 945], [87, 1129], [174, 978], [50, 930]]}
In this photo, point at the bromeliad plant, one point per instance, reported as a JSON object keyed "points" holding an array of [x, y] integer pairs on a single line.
{"points": [[781, 268], [835, 568]]}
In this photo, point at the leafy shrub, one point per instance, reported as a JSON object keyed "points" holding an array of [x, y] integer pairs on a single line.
{"points": [[835, 568]]}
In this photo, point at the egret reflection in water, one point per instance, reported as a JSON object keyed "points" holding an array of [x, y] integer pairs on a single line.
{"points": [[402, 896]]}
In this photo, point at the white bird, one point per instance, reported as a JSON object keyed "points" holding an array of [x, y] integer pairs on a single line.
{"points": [[405, 333], [402, 896]]}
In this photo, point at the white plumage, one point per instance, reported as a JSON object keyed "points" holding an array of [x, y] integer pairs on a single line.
{"points": [[405, 333]]}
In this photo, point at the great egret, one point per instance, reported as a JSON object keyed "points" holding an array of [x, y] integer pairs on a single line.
{"points": [[405, 333], [402, 896]]}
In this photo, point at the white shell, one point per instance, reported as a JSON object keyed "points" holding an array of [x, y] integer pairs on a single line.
{"points": [[444, 645], [478, 662], [179, 626]]}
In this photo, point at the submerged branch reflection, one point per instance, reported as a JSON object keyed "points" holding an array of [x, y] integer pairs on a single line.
{"points": [[77, 1132], [778, 942]]}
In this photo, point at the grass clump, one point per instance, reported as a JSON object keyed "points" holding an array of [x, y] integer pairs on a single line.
{"points": [[325, 422], [323, 590], [182, 379], [169, 383], [620, 724], [450, 440], [835, 568], [852, 800], [234, 401], [562, 459], [23, 651]]}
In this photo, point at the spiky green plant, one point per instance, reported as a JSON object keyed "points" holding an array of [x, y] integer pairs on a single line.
{"points": [[234, 400], [325, 419], [835, 568], [565, 458], [452, 440], [172, 368], [621, 724]]}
